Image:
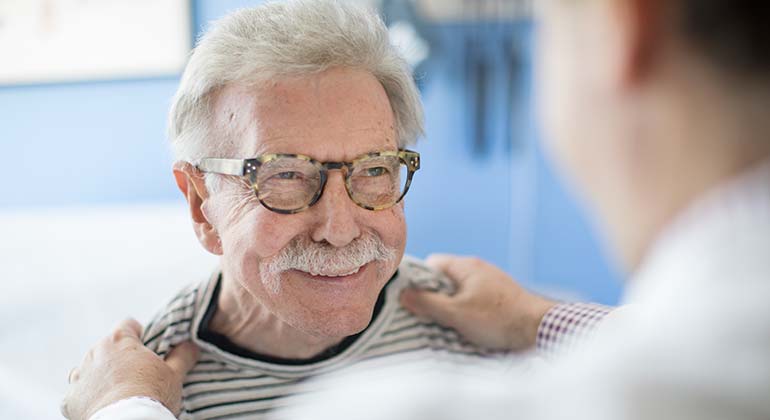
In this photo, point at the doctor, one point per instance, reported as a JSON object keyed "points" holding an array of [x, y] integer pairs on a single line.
{"points": [[658, 111]]}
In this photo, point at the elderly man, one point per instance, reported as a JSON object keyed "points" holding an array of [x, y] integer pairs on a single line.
{"points": [[289, 128], [658, 109]]}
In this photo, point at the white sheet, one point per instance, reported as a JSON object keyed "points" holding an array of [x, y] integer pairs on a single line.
{"points": [[69, 275]]}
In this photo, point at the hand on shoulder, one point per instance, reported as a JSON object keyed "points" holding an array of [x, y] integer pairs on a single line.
{"points": [[488, 307], [120, 367]]}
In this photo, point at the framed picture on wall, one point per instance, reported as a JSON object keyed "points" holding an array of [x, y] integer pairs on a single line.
{"points": [[43, 41]]}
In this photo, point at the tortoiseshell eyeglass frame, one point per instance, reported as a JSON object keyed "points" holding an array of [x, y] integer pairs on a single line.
{"points": [[249, 167]]}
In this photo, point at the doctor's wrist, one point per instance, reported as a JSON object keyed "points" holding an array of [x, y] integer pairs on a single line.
{"points": [[524, 329]]}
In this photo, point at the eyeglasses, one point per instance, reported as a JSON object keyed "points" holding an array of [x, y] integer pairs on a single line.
{"points": [[290, 183]]}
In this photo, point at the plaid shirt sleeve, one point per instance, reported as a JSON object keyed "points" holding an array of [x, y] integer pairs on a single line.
{"points": [[566, 324]]}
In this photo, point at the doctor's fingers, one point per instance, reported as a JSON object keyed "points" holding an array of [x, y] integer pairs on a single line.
{"points": [[431, 306], [182, 358], [458, 268], [128, 328]]}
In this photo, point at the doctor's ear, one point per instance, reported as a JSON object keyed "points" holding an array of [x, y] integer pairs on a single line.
{"points": [[193, 186], [642, 25]]}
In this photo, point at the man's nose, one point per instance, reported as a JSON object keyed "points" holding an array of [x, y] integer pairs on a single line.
{"points": [[337, 213]]}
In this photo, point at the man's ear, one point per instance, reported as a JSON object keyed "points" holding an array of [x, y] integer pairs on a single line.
{"points": [[192, 185], [642, 23]]}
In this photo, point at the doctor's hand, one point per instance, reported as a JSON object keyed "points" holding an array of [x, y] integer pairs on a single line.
{"points": [[489, 308], [120, 367]]}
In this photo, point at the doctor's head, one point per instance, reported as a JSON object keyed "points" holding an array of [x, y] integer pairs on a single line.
{"points": [[290, 127], [648, 104]]}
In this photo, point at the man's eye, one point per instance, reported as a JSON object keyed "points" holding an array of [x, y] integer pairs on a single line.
{"points": [[288, 175], [376, 171]]}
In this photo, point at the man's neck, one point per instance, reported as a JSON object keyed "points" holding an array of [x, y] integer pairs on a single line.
{"points": [[707, 135], [251, 326]]}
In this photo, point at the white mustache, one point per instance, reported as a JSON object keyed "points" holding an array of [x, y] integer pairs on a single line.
{"points": [[323, 259]]}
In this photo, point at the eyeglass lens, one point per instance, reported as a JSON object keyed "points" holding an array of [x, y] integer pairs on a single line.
{"points": [[288, 183]]}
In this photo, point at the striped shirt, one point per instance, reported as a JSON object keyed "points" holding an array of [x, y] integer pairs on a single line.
{"points": [[229, 382]]}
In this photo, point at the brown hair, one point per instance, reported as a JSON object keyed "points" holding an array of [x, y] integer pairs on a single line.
{"points": [[735, 34]]}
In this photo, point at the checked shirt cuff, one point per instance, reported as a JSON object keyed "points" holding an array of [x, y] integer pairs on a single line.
{"points": [[566, 324]]}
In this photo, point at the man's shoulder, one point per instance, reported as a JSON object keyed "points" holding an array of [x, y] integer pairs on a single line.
{"points": [[173, 323], [405, 332]]}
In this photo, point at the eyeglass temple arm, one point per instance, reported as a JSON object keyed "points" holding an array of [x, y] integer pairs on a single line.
{"points": [[222, 166]]}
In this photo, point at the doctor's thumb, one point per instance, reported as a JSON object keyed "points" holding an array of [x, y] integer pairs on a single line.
{"points": [[431, 306], [182, 358]]}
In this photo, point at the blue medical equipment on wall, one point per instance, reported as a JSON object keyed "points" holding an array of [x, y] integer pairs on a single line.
{"points": [[477, 44]]}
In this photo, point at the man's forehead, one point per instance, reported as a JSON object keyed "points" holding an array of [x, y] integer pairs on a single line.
{"points": [[356, 143], [343, 113], [341, 144]]}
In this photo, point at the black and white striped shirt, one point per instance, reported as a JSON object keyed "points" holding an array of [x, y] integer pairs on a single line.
{"points": [[229, 382]]}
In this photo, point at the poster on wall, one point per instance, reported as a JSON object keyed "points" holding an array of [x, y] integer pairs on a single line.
{"points": [[45, 41]]}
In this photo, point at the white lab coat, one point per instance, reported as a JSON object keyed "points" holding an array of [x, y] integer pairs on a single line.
{"points": [[694, 342]]}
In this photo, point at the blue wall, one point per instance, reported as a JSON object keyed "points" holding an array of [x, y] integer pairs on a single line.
{"points": [[104, 143]]}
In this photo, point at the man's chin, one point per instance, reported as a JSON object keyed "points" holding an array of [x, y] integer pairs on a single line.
{"points": [[336, 306], [340, 325]]}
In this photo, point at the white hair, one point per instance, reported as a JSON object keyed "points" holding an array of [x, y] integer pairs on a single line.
{"points": [[286, 39]]}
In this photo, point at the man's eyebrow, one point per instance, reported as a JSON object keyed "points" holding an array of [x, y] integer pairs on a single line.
{"points": [[261, 149]]}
